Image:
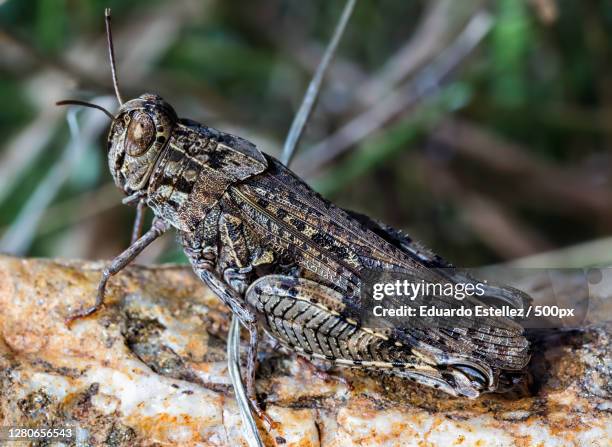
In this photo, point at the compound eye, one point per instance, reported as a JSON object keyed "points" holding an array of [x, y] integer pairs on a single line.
{"points": [[140, 134]]}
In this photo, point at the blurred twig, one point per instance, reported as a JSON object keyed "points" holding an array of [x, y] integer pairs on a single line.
{"points": [[42, 60], [592, 253], [428, 38], [20, 234], [148, 35], [24, 148], [497, 226], [82, 207], [437, 26], [542, 184], [400, 99], [233, 364], [547, 10], [310, 97]]}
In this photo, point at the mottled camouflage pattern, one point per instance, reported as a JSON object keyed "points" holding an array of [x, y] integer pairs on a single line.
{"points": [[282, 257]]}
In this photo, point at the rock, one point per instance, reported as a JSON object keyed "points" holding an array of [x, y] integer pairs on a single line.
{"points": [[149, 369]]}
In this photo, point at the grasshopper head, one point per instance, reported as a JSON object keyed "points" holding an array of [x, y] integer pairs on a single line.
{"points": [[137, 136], [138, 133]]}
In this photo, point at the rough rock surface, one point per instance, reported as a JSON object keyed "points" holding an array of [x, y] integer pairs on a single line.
{"points": [[149, 369]]}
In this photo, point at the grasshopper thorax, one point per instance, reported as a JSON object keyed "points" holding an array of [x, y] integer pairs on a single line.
{"points": [[138, 134]]}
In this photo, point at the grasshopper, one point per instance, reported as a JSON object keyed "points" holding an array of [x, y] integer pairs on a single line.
{"points": [[285, 259]]}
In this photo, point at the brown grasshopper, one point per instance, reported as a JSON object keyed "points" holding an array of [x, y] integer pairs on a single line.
{"points": [[283, 258]]}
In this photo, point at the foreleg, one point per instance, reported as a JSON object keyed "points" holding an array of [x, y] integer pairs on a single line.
{"points": [[158, 228]]}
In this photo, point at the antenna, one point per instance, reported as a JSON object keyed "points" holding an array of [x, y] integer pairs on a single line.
{"points": [[86, 104], [111, 53]]}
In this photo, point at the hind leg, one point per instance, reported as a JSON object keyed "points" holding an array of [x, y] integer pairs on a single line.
{"points": [[299, 313], [248, 319]]}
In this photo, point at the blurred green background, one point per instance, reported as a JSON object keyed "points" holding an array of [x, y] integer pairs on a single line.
{"points": [[482, 128]]}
